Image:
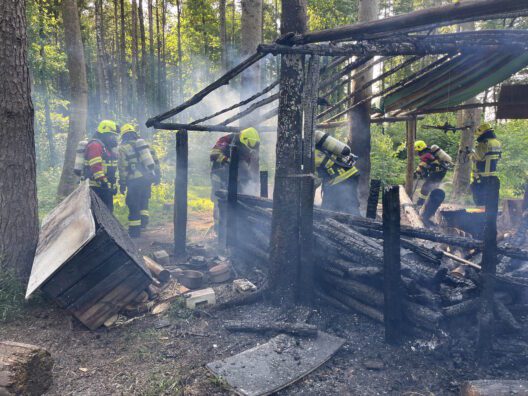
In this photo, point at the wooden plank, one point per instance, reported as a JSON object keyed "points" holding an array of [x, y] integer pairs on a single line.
{"points": [[499, 387], [180, 192], [489, 270], [409, 175], [232, 197], [96, 293], [114, 301], [68, 228], [92, 279], [100, 249], [392, 283], [409, 210], [276, 364]]}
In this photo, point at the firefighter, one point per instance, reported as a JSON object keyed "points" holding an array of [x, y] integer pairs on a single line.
{"points": [[485, 157], [138, 170], [100, 162], [336, 172], [247, 143], [434, 164]]}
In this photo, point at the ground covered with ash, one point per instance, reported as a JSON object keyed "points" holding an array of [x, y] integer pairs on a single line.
{"points": [[167, 354]]}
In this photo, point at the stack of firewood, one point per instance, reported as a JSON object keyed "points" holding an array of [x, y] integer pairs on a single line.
{"points": [[348, 255]]}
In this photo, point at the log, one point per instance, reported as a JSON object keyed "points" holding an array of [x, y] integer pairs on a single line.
{"points": [[464, 308], [251, 109], [494, 388], [24, 369], [224, 80], [296, 329], [325, 298], [409, 210], [365, 294], [505, 316], [357, 306], [269, 88], [414, 21], [422, 316], [157, 270]]}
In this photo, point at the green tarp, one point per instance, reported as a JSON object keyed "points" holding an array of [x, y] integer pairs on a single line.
{"points": [[456, 81]]}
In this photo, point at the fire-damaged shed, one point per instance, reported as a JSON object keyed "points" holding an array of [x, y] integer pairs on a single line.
{"points": [[85, 261]]}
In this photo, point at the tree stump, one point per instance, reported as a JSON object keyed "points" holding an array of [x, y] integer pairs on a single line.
{"points": [[24, 369], [494, 388]]}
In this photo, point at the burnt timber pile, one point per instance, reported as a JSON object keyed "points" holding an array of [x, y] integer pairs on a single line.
{"points": [[348, 254], [86, 262]]}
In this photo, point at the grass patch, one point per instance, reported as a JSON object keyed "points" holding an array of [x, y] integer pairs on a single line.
{"points": [[12, 297], [162, 384]]}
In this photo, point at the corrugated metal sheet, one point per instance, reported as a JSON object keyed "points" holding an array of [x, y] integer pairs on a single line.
{"points": [[513, 102], [455, 81]]}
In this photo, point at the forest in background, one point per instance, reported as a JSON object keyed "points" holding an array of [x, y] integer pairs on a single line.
{"points": [[144, 57]]}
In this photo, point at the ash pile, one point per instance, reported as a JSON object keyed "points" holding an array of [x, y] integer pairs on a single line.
{"points": [[440, 271]]}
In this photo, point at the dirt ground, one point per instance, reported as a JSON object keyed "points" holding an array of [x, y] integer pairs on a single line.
{"points": [[166, 355]]}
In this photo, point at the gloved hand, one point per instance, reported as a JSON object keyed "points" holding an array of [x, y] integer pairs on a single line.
{"points": [[416, 175], [122, 188]]}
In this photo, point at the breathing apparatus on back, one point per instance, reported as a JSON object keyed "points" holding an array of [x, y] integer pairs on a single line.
{"points": [[331, 146]]}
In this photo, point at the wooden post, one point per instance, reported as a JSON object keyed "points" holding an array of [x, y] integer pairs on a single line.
{"points": [[525, 199], [372, 204], [489, 269], [411, 138], [264, 184], [232, 198], [180, 192], [391, 265], [306, 287]]}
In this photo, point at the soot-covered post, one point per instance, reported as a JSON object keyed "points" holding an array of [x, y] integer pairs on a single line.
{"points": [[180, 192]]}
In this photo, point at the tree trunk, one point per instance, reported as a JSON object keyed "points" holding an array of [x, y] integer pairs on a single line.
{"points": [[151, 82], [471, 117], [284, 244], [250, 38], [180, 51], [78, 93], [18, 190], [135, 63], [24, 369], [359, 117], [223, 34], [142, 77], [123, 67], [103, 65]]}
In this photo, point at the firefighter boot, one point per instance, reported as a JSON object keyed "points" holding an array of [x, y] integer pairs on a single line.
{"points": [[436, 198]]}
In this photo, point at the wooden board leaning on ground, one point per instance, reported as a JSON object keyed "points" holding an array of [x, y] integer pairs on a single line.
{"points": [[101, 272]]}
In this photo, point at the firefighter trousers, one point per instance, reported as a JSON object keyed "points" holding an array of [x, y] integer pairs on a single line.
{"points": [[137, 198], [430, 183], [106, 195], [480, 189], [342, 197]]}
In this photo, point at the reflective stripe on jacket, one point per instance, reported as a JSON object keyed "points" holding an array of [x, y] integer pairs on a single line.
{"points": [[486, 158], [330, 169], [100, 164]]}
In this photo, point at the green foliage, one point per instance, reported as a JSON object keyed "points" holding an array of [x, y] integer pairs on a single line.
{"points": [[11, 296], [513, 168], [385, 161]]}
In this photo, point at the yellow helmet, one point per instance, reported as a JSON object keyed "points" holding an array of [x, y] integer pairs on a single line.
{"points": [[128, 128], [250, 138], [420, 145], [483, 129], [107, 126]]}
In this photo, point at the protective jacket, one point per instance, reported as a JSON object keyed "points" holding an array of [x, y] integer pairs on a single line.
{"points": [[331, 170], [486, 156], [221, 153], [100, 165], [430, 164], [137, 160]]}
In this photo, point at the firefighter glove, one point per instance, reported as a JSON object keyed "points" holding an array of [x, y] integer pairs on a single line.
{"points": [[122, 188]]}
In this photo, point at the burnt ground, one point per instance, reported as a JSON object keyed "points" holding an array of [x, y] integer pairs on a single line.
{"points": [[165, 355]]}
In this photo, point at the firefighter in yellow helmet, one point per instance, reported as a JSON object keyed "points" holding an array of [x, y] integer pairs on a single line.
{"points": [[337, 174], [433, 166], [100, 161], [485, 156], [138, 170], [248, 145]]}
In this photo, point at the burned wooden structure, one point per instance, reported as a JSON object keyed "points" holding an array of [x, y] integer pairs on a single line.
{"points": [[85, 261], [444, 71]]}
